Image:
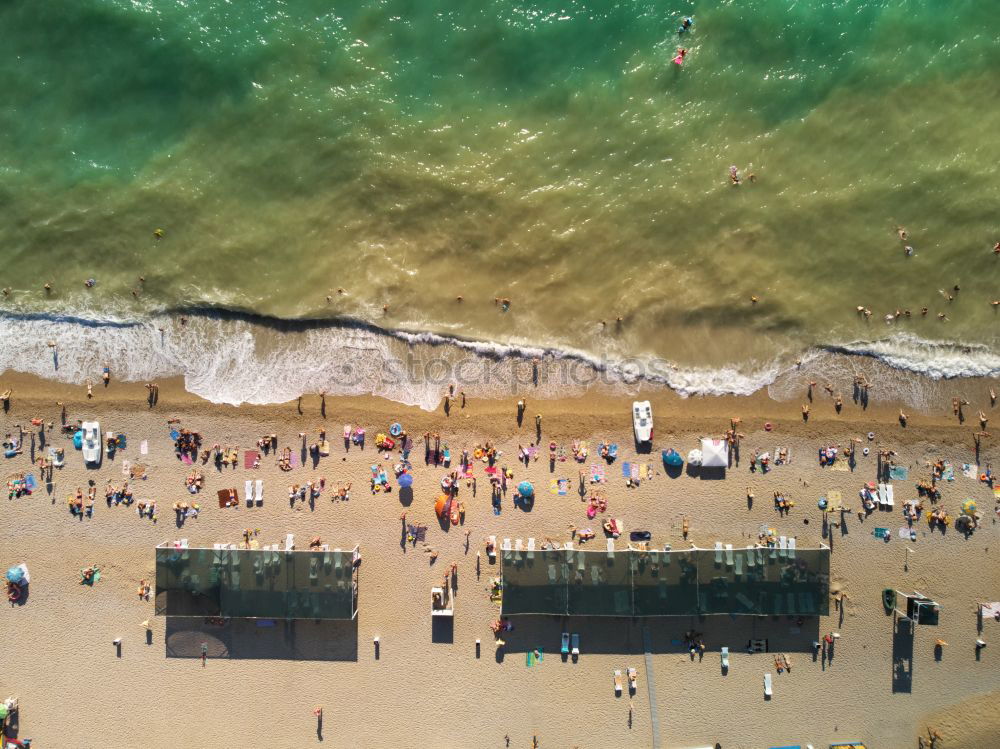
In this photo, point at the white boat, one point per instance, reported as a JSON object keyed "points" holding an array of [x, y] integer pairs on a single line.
{"points": [[91, 441], [642, 421]]}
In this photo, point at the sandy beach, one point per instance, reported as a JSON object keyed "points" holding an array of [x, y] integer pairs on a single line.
{"points": [[260, 685]]}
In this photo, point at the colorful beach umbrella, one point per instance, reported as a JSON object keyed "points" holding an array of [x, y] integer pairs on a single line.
{"points": [[525, 489], [969, 507], [405, 480], [672, 458]]}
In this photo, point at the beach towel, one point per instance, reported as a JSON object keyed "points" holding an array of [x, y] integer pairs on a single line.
{"points": [[294, 462], [903, 532], [969, 470], [635, 473], [990, 610], [186, 459], [144, 447], [996, 493], [647, 472], [949, 472], [29, 482], [626, 470], [249, 457], [563, 487], [223, 495], [899, 473], [138, 472], [126, 468], [881, 533]]}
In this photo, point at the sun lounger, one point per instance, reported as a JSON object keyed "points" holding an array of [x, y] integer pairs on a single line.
{"points": [[718, 552], [552, 574], [564, 649], [888, 496], [882, 499], [729, 555], [518, 546], [249, 492], [568, 545], [633, 676], [751, 556], [739, 564], [782, 545], [531, 548], [791, 547], [611, 548], [492, 553], [259, 493], [289, 542], [506, 545], [595, 574], [767, 684], [618, 682], [575, 640], [725, 658]]}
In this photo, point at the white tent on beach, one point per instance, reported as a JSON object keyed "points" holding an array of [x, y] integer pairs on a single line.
{"points": [[714, 453]]}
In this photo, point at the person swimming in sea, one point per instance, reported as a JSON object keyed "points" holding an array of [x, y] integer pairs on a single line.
{"points": [[734, 175], [686, 24], [681, 54]]}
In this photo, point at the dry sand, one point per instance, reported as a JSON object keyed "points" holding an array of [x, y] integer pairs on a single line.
{"points": [[260, 686]]}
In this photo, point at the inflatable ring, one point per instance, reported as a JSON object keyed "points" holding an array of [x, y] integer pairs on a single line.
{"points": [[396, 429], [982, 477], [768, 426], [871, 436], [865, 451], [477, 453]]}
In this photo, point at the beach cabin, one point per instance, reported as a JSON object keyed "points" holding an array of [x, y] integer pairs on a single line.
{"points": [[262, 583], [689, 582], [442, 604]]}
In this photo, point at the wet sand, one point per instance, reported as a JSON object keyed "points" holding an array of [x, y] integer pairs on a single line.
{"points": [[428, 688]]}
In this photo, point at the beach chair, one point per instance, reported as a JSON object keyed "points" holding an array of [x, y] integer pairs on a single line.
{"points": [[518, 546], [568, 546], [725, 659], [575, 644], [633, 676], [611, 548], [506, 545], [767, 685], [791, 547], [782, 545], [882, 500], [739, 564], [718, 552], [289, 542], [249, 492], [618, 682], [552, 576], [492, 553], [259, 493], [751, 556], [595, 574], [729, 555], [888, 496], [531, 548], [564, 649]]}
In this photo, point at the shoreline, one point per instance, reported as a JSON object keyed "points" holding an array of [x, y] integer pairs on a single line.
{"points": [[234, 358]]}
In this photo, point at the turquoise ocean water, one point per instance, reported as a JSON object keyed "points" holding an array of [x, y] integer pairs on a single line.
{"points": [[547, 153]]}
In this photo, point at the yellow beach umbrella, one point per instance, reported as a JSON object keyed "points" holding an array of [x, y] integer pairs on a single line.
{"points": [[969, 507]]}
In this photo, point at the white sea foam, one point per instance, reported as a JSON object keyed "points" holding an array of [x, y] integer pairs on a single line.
{"points": [[233, 359], [934, 359]]}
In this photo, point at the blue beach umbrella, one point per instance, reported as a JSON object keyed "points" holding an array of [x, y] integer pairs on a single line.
{"points": [[406, 480], [672, 458], [525, 489]]}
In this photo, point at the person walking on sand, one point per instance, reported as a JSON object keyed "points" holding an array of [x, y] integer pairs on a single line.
{"points": [[106, 374]]}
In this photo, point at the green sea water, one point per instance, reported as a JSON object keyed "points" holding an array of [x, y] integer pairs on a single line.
{"points": [[548, 152]]}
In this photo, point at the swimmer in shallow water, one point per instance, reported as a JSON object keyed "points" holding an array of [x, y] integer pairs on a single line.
{"points": [[686, 24]]}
